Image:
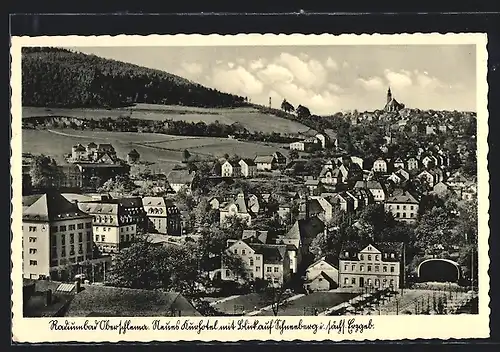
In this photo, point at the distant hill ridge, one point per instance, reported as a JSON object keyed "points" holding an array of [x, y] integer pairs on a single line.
{"points": [[55, 77]]}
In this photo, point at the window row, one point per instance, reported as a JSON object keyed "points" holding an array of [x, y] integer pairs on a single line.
{"points": [[352, 267], [398, 215], [72, 227], [412, 207], [369, 282]]}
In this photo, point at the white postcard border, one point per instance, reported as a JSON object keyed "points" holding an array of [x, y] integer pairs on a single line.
{"points": [[385, 327]]}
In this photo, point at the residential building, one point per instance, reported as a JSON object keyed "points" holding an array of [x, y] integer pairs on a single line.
{"points": [[441, 189], [231, 169], [242, 207], [181, 180], [376, 265], [430, 161], [163, 216], [322, 140], [72, 176], [112, 229], [412, 164], [428, 176], [56, 233], [398, 164], [380, 165], [330, 175], [265, 162], [374, 187], [321, 275], [312, 185], [404, 207], [262, 261], [248, 167]]}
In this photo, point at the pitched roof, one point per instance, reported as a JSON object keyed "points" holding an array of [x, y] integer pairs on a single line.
{"points": [[133, 152], [405, 197], [248, 161], [79, 148], [306, 229], [260, 235], [157, 201], [272, 254], [92, 145], [52, 206], [266, 159], [114, 301]]}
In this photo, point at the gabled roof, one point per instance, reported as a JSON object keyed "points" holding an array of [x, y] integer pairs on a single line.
{"points": [[92, 145], [264, 159], [52, 206], [233, 163], [133, 152], [157, 202], [260, 235], [405, 197], [114, 301], [79, 148], [248, 161], [323, 275]]}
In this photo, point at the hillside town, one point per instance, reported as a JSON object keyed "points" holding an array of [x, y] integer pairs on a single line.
{"points": [[325, 230]]}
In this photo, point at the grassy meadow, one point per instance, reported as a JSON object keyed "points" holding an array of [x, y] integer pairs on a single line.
{"points": [[248, 117]]}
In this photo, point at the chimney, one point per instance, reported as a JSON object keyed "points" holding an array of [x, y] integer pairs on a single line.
{"points": [[77, 286], [48, 298]]}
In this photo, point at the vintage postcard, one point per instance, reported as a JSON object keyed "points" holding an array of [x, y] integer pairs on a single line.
{"points": [[250, 187]]}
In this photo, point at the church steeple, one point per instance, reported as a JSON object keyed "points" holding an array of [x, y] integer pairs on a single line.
{"points": [[389, 95]]}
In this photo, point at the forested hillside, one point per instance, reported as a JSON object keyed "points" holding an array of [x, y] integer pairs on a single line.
{"points": [[54, 77]]}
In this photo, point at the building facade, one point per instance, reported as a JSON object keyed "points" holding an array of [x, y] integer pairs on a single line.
{"points": [[163, 216], [55, 234], [403, 207], [370, 267]]}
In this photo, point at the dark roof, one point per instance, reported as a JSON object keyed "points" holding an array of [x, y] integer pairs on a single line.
{"points": [[353, 248], [264, 159], [248, 161], [35, 301], [115, 301], [79, 148], [52, 206], [405, 197], [306, 229], [270, 253], [92, 145], [133, 152], [180, 176]]}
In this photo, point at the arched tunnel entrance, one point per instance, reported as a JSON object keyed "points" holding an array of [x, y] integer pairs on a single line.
{"points": [[439, 270]]}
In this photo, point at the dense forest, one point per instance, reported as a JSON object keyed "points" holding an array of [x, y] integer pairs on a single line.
{"points": [[54, 77]]}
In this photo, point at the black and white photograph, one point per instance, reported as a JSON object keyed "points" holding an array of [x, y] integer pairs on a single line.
{"points": [[252, 181]]}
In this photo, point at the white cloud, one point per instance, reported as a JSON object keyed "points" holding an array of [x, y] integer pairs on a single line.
{"points": [[192, 68], [240, 61], [257, 64], [401, 79], [318, 102], [331, 64], [310, 73], [372, 83], [230, 64], [345, 64], [237, 80], [275, 73], [335, 88]]}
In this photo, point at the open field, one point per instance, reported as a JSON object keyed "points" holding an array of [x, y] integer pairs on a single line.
{"points": [[164, 150], [247, 303], [248, 117], [305, 305]]}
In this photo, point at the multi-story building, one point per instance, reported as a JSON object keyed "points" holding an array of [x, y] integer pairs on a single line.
{"points": [[231, 169], [163, 216], [262, 261], [181, 180], [404, 207], [248, 167], [56, 233], [113, 229], [370, 266], [380, 165], [243, 207]]}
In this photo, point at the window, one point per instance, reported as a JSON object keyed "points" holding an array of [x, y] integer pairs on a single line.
{"points": [[377, 282], [369, 257], [346, 254], [251, 261], [361, 267], [79, 226], [80, 249], [269, 269], [33, 262], [103, 238], [411, 215], [97, 238], [257, 268], [109, 228], [346, 281], [361, 256], [32, 250], [53, 229], [32, 229], [53, 252], [392, 269], [345, 267], [377, 257], [88, 225], [353, 281], [62, 228], [276, 269], [104, 229], [392, 282], [228, 272], [72, 250], [32, 239], [71, 227], [392, 255], [404, 207], [397, 207], [236, 251], [353, 267], [404, 215], [127, 237], [71, 238], [89, 247], [89, 236], [63, 251], [80, 237], [369, 282], [122, 238], [397, 215], [243, 251], [385, 269], [411, 207], [369, 268]]}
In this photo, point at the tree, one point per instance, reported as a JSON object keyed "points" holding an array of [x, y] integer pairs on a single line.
{"points": [[204, 213], [435, 229], [303, 112], [45, 173], [293, 154], [121, 184], [186, 155], [286, 106], [276, 296]]}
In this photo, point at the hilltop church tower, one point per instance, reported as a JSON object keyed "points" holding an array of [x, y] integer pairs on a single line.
{"points": [[389, 95], [392, 104]]}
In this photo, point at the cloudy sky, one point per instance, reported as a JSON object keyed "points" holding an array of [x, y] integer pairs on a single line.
{"points": [[326, 79]]}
